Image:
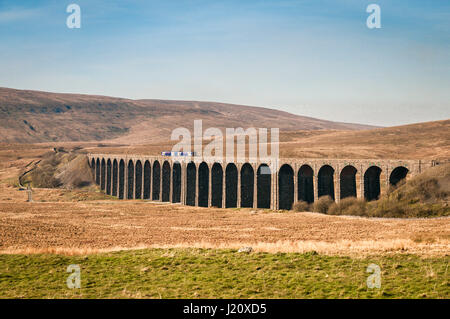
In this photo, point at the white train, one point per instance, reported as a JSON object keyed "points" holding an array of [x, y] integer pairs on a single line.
{"points": [[178, 154]]}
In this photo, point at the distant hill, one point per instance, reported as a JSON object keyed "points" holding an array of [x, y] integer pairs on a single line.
{"points": [[33, 116], [428, 140]]}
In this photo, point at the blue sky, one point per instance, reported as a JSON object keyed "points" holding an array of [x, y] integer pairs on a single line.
{"points": [[314, 58]]}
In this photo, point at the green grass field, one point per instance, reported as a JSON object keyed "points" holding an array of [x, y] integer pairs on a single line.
{"points": [[204, 273]]}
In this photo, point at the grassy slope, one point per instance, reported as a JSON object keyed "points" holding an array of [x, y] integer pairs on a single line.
{"points": [[424, 195], [194, 273], [62, 169]]}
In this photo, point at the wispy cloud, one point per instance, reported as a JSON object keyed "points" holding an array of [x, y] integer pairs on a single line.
{"points": [[17, 14]]}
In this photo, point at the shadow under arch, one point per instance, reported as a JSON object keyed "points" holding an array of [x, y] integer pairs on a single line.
{"points": [[176, 182], [121, 179], [305, 177], [216, 185], [325, 181], [231, 184], [93, 166], [114, 178], [108, 177], [166, 182], [247, 185], [372, 183], [138, 180], [102, 175], [156, 180], [398, 174], [147, 179], [191, 175], [348, 182], [130, 185], [203, 184], [285, 187], [263, 186], [97, 172]]}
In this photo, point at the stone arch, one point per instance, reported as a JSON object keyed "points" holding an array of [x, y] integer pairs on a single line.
{"points": [[176, 183], [191, 175], [216, 185], [372, 183], [108, 177], [325, 181], [102, 175], [138, 180], [399, 173], [97, 171], [203, 184], [166, 182], [263, 185], [247, 185], [156, 180], [305, 181], [147, 180], [286, 187], [348, 181], [130, 185], [121, 179], [231, 184], [114, 178]]}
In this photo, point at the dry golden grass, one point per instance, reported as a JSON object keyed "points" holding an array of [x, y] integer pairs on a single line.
{"points": [[352, 248], [71, 227]]}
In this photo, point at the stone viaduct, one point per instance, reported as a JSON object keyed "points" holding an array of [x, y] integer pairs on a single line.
{"points": [[249, 184]]}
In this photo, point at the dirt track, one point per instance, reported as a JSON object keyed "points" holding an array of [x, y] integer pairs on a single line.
{"points": [[90, 226]]}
